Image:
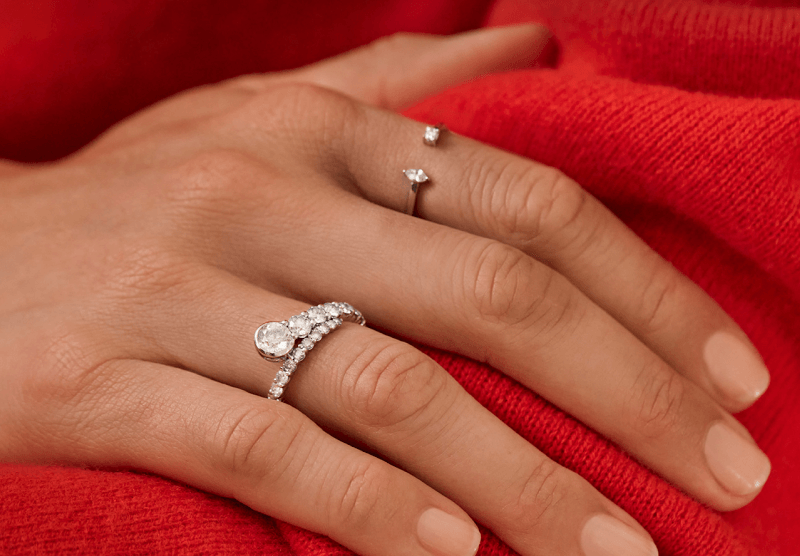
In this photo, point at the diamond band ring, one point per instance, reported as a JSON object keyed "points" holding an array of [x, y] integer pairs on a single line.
{"points": [[275, 341]]}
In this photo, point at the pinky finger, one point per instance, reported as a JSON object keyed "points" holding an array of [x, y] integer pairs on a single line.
{"points": [[268, 456]]}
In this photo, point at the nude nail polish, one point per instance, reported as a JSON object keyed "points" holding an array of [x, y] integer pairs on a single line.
{"points": [[444, 534], [735, 367], [604, 535], [738, 464]]}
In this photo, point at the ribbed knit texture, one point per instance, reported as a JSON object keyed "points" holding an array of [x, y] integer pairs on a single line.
{"points": [[683, 117]]}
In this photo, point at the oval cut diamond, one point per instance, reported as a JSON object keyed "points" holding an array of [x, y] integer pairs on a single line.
{"points": [[274, 339]]}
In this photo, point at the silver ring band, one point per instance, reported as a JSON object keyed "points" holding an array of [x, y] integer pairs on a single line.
{"points": [[275, 341], [415, 177]]}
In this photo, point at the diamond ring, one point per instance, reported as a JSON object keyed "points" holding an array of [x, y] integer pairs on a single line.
{"points": [[275, 341], [415, 177]]}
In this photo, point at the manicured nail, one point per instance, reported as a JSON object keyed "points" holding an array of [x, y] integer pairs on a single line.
{"points": [[736, 462], [735, 367], [446, 535], [604, 535]]}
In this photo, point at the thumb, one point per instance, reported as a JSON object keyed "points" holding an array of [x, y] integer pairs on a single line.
{"points": [[397, 71]]}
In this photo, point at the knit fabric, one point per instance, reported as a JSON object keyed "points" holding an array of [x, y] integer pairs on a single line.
{"points": [[682, 117]]}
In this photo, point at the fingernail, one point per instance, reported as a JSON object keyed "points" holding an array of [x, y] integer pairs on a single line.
{"points": [[736, 462], [735, 368], [446, 535], [604, 535]]}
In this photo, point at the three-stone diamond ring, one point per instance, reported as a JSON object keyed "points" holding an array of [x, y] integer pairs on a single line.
{"points": [[290, 340]]}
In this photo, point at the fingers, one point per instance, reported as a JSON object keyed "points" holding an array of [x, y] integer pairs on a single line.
{"points": [[543, 213], [494, 303], [265, 454], [390, 397], [397, 71]]}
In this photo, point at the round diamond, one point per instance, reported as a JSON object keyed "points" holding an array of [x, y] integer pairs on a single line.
{"points": [[332, 324], [298, 354], [332, 309], [347, 309], [274, 339], [316, 335], [307, 343], [323, 328], [300, 326], [276, 391], [431, 134], [289, 365], [317, 314], [282, 379]]}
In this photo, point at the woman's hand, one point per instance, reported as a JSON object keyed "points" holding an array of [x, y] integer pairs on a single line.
{"points": [[134, 273]]}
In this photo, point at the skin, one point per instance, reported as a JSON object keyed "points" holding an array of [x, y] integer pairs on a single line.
{"points": [[136, 270]]}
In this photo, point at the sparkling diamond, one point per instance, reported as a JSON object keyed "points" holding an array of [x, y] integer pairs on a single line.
{"points": [[332, 324], [282, 379], [431, 134], [276, 391], [317, 314], [274, 339], [307, 343], [347, 309], [416, 175], [300, 326], [332, 309], [298, 354], [323, 328], [316, 335], [289, 366]]}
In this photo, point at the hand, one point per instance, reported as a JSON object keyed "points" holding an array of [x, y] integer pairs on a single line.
{"points": [[136, 271]]}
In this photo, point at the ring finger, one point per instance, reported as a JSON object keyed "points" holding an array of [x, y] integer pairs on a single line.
{"points": [[389, 396]]}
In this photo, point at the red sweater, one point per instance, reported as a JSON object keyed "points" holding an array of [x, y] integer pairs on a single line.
{"points": [[682, 116]]}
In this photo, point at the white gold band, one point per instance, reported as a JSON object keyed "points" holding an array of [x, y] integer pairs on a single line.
{"points": [[275, 341]]}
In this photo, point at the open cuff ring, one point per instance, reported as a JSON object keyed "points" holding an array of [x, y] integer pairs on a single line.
{"points": [[290, 340]]}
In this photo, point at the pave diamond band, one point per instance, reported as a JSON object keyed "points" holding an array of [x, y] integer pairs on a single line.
{"points": [[290, 340]]}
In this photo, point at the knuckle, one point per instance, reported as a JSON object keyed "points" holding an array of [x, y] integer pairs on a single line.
{"points": [[393, 384], [145, 272], [64, 383], [388, 47], [658, 298], [258, 441], [68, 363], [507, 287], [209, 178], [528, 202], [540, 497], [359, 499], [304, 115], [661, 394]]}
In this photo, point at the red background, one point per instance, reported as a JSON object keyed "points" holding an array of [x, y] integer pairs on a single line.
{"points": [[682, 116]]}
